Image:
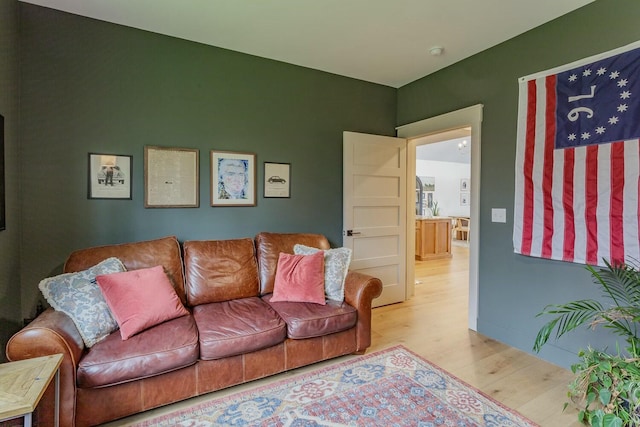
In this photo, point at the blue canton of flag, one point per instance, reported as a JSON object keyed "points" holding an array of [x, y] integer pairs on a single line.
{"points": [[599, 102]]}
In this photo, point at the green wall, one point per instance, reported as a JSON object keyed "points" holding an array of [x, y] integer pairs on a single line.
{"points": [[514, 288], [89, 86], [10, 316]]}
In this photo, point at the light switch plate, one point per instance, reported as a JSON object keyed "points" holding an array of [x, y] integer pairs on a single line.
{"points": [[498, 215]]}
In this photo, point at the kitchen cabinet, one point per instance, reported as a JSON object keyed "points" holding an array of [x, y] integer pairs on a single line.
{"points": [[433, 238]]}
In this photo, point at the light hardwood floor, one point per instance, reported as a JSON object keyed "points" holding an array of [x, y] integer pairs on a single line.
{"points": [[433, 324]]}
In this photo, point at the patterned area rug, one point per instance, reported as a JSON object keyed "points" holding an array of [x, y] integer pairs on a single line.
{"points": [[393, 387]]}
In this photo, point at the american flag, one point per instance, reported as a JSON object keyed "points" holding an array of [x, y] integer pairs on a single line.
{"points": [[578, 161]]}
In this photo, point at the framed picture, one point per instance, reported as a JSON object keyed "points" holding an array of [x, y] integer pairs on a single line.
{"points": [[171, 177], [428, 183], [109, 176], [277, 177], [429, 199], [464, 184], [233, 178], [3, 220], [464, 199]]}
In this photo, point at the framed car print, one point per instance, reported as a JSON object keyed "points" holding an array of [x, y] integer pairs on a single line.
{"points": [[277, 180], [109, 176]]}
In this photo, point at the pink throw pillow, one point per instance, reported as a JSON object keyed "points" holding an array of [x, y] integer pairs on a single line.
{"points": [[140, 299], [299, 278]]}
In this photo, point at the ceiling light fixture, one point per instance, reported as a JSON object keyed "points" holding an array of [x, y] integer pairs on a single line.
{"points": [[463, 146], [436, 51]]}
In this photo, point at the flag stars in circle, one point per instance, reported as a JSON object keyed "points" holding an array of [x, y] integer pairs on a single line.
{"points": [[613, 120]]}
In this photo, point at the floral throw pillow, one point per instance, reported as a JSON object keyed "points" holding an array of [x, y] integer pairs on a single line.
{"points": [[79, 297], [336, 267]]}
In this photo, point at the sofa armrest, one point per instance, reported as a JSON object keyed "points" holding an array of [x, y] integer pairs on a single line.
{"points": [[52, 332], [359, 291]]}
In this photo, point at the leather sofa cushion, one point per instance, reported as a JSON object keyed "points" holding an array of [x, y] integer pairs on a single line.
{"points": [[235, 327], [134, 256], [308, 320], [220, 270], [166, 347], [269, 246]]}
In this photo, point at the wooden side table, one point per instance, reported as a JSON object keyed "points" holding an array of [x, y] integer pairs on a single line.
{"points": [[23, 383]]}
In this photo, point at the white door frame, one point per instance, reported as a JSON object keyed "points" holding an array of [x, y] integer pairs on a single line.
{"points": [[470, 116]]}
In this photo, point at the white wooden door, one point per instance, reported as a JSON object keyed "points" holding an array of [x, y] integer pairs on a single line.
{"points": [[375, 210]]}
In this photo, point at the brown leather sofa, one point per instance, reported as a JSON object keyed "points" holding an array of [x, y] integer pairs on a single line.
{"points": [[198, 353]]}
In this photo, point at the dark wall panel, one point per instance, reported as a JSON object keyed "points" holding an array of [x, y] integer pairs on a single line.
{"points": [[513, 288], [89, 86], [10, 294]]}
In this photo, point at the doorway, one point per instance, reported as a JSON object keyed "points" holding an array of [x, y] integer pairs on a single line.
{"points": [[468, 117], [443, 169]]}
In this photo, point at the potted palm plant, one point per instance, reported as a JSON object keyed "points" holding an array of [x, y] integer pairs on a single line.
{"points": [[606, 387]]}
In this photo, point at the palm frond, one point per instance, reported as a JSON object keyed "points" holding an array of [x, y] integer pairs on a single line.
{"points": [[571, 315], [611, 378], [620, 282]]}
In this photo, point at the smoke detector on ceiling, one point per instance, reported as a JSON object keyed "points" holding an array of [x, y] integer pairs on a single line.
{"points": [[436, 51]]}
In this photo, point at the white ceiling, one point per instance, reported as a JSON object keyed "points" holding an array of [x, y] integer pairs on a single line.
{"points": [[380, 41], [443, 147]]}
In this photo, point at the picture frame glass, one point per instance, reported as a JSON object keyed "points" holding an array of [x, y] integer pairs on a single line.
{"points": [[171, 177], [233, 178], [109, 176], [428, 183], [277, 180]]}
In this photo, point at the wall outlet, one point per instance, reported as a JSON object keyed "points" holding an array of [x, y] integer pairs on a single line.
{"points": [[498, 215]]}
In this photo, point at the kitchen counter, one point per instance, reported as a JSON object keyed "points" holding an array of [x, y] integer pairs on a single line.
{"points": [[433, 237]]}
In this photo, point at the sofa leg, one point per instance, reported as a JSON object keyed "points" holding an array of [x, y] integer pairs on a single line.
{"points": [[360, 352]]}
